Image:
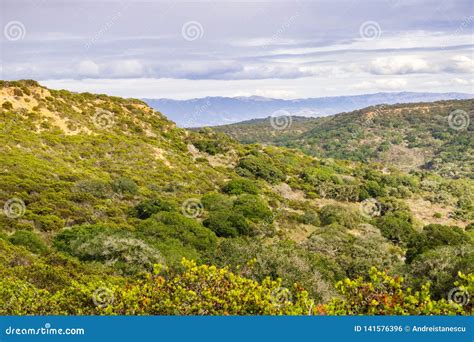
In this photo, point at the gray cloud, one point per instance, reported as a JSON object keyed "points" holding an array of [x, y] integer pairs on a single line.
{"points": [[241, 41]]}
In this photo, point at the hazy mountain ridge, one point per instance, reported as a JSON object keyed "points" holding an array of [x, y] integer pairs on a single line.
{"points": [[214, 111]]}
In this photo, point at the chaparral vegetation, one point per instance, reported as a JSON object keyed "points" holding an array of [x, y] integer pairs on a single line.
{"points": [[109, 208]]}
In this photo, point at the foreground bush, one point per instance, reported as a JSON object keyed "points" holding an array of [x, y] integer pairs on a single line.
{"points": [[384, 295], [208, 290], [198, 290]]}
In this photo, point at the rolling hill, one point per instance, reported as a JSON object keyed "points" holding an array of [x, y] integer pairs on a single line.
{"points": [[436, 136], [109, 208]]}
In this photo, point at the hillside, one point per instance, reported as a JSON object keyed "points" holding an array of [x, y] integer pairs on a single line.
{"points": [[109, 208], [432, 136], [213, 111]]}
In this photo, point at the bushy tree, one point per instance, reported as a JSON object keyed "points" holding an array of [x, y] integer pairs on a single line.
{"points": [[253, 207], [213, 201], [353, 254], [173, 225], [396, 227], [434, 235], [240, 186], [228, 224], [260, 167], [124, 186], [116, 248], [147, 208], [440, 267], [335, 213]]}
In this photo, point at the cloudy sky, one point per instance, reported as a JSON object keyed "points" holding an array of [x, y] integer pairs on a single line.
{"points": [[281, 49]]}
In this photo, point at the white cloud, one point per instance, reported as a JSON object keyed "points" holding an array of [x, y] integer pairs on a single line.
{"points": [[260, 71], [399, 65], [382, 84], [126, 68], [460, 64], [88, 69]]}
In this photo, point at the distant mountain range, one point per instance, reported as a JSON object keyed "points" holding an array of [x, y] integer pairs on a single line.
{"points": [[213, 111]]}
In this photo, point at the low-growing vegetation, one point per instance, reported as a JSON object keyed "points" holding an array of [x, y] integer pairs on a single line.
{"points": [[129, 215]]}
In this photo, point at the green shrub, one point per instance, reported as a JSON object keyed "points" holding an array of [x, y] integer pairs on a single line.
{"points": [[240, 186], [253, 208], [124, 185], [147, 208], [213, 201], [310, 217], [434, 235], [211, 146], [374, 189], [228, 224], [116, 248], [30, 240], [94, 187], [384, 295], [396, 227], [260, 167], [440, 266], [173, 225], [335, 213], [353, 254]]}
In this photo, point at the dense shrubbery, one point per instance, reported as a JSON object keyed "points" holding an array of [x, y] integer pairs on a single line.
{"points": [[240, 186], [29, 240], [259, 166], [384, 295], [339, 214], [397, 227], [231, 218], [147, 208], [355, 251], [434, 235], [111, 247], [99, 208], [197, 290]]}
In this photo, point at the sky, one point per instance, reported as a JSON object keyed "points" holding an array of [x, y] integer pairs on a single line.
{"points": [[279, 49]]}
